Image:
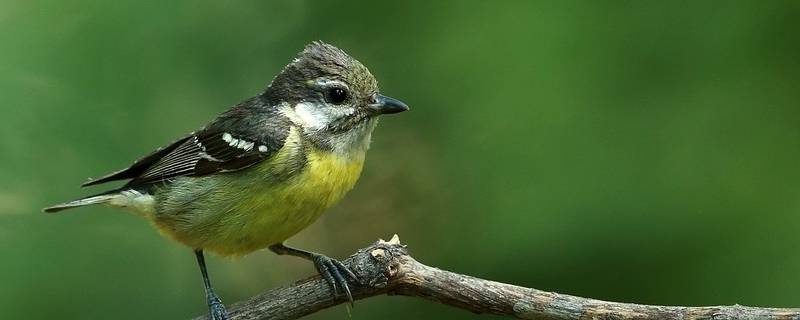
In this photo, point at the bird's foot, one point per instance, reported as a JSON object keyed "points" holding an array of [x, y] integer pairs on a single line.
{"points": [[216, 310], [336, 274]]}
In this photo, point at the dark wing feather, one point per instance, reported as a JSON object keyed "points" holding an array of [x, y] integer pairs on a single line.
{"points": [[207, 152], [139, 166]]}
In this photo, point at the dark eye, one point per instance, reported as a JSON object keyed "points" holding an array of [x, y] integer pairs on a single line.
{"points": [[336, 95]]}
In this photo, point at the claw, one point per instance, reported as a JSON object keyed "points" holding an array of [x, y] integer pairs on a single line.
{"points": [[332, 270], [347, 270], [341, 280]]}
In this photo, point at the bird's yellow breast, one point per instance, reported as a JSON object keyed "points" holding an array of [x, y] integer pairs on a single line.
{"points": [[283, 211], [245, 215]]}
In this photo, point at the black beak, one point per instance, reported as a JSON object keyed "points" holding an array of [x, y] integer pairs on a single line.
{"points": [[385, 105]]}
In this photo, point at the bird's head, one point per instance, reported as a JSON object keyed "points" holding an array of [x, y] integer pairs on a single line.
{"points": [[329, 93]]}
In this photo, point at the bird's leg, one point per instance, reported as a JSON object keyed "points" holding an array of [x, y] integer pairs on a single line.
{"points": [[216, 310], [333, 271]]}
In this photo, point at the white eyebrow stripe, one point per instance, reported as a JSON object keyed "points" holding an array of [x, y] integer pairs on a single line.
{"points": [[331, 83]]}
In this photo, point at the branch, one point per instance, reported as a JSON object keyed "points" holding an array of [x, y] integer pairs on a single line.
{"points": [[387, 268]]}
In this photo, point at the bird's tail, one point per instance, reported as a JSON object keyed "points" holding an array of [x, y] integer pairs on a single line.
{"points": [[104, 197]]}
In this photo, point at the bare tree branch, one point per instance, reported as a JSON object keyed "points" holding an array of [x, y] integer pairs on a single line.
{"points": [[387, 268]]}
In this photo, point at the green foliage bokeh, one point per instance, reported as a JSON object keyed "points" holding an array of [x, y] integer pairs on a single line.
{"points": [[639, 151]]}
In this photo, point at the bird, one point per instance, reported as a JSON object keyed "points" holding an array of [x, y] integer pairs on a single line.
{"points": [[262, 170]]}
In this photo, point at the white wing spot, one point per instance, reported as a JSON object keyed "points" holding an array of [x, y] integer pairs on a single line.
{"points": [[227, 137], [198, 144], [263, 148], [236, 143]]}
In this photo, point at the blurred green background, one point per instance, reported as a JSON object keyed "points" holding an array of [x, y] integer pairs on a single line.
{"points": [[639, 151]]}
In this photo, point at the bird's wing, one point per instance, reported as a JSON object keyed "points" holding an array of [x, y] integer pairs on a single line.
{"points": [[139, 166], [208, 151]]}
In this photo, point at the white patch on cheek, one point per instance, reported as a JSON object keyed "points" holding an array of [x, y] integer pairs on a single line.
{"points": [[315, 117], [310, 116]]}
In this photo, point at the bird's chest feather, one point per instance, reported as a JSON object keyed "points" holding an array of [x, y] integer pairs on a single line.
{"points": [[324, 180], [278, 212]]}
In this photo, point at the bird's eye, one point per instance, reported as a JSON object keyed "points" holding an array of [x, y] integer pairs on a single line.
{"points": [[336, 95]]}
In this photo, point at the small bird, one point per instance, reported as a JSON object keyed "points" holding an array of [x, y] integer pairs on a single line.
{"points": [[264, 169]]}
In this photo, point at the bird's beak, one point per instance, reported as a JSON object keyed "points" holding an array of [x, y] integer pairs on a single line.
{"points": [[385, 105]]}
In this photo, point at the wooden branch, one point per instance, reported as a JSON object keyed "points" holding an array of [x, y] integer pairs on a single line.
{"points": [[387, 268]]}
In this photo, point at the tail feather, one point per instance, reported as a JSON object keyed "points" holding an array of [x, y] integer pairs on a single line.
{"points": [[95, 199]]}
